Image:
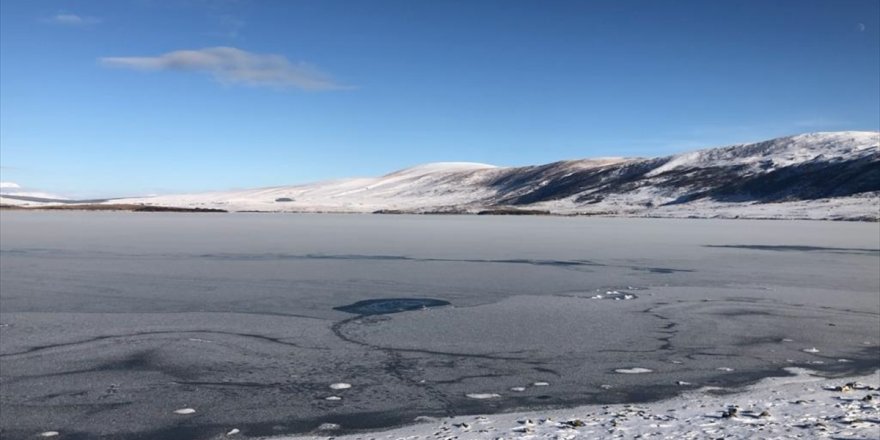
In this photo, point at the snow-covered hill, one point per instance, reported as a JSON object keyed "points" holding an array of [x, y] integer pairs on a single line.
{"points": [[419, 188], [820, 175]]}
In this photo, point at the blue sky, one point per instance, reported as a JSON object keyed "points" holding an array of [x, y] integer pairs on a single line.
{"points": [[101, 98]]}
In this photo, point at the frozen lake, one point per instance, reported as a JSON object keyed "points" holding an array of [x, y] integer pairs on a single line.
{"points": [[109, 322]]}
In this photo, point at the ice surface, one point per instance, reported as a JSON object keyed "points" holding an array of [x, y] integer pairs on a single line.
{"points": [[114, 311]]}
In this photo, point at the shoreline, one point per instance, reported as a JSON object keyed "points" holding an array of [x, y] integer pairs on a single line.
{"points": [[110, 208], [799, 404], [484, 213]]}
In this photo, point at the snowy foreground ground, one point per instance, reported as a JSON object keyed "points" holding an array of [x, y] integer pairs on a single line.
{"points": [[799, 406]]}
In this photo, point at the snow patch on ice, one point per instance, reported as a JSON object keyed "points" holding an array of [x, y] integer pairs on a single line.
{"points": [[483, 395], [634, 370]]}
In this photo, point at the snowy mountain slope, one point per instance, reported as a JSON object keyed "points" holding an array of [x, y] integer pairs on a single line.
{"points": [[818, 175], [418, 188], [779, 152], [804, 167]]}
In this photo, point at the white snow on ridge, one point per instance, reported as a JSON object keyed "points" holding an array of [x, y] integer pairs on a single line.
{"points": [[779, 152]]}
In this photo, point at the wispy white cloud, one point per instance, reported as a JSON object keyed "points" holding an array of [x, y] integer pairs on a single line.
{"points": [[9, 185], [68, 19], [230, 65]]}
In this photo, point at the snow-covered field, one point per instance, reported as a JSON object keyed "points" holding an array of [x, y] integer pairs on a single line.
{"points": [[801, 405], [864, 206]]}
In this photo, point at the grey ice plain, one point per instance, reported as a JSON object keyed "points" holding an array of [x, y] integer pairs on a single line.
{"points": [[111, 321]]}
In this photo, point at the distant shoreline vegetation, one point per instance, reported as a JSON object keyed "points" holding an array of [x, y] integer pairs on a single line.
{"points": [[502, 211], [109, 207]]}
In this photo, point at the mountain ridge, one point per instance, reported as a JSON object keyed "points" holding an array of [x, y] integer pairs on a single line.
{"points": [[825, 175]]}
